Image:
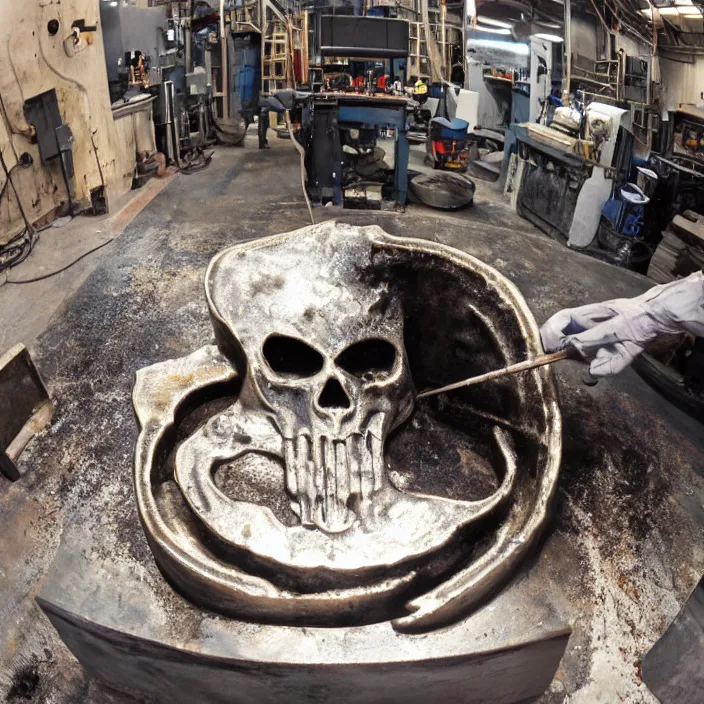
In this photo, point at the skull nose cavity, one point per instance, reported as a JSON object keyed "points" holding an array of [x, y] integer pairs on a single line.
{"points": [[333, 395]]}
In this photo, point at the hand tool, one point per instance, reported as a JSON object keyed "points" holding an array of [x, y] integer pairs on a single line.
{"points": [[539, 361]]}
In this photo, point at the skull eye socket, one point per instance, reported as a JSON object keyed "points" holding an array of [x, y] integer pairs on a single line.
{"points": [[291, 358], [369, 359]]}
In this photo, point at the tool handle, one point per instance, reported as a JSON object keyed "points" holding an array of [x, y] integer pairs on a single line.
{"points": [[541, 361]]}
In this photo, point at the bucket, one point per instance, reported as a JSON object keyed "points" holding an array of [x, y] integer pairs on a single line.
{"points": [[647, 181]]}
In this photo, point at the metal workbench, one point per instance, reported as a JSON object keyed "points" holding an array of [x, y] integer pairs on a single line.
{"points": [[331, 111]]}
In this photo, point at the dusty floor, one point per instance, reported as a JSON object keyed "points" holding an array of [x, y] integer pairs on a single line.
{"points": [[625, 548], [25, 309]]}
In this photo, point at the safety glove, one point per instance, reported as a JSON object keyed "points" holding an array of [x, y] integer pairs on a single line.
{"points": [[612, 334]]}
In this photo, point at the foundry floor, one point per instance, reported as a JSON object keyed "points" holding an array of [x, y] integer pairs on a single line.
{"points": [[625, 547]]}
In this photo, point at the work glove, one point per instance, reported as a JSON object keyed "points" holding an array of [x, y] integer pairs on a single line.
{"points": [[612, 334]]}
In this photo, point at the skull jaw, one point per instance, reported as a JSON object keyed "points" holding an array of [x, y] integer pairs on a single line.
{"points": [[334, 458], [390, 527], [334, 479]]}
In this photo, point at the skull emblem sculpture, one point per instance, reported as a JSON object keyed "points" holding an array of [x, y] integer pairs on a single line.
{"points": [[327, 366], [314, 327]]}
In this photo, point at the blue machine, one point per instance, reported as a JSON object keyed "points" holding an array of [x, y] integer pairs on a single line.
{"points": [[447, 143], [625, 209]]}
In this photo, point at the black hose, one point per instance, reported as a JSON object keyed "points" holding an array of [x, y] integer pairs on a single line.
{"points": [[12, 185], [59, 271]]}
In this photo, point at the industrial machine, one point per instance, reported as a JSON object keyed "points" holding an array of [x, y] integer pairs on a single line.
{"points": [[679, 167], [561, 182], [447, 145], [343, 129], [540, 82], [340, 134]]}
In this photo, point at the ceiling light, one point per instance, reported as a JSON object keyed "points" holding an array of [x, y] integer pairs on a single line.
{"points": [[549, 37], [512, 47], [668, 10], [497, 23], [684, 2], [492, 30]]}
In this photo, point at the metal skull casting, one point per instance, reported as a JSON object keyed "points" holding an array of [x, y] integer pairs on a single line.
{"points": [[330, 370], [313, 324]]}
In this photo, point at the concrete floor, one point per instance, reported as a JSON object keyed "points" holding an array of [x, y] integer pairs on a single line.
{"points": [[25, 310], [625, 549]]}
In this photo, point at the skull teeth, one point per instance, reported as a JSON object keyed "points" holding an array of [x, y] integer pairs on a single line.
{"points": [[323, 473]]}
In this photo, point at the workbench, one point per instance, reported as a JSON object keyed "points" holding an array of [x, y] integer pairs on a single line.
{"points": [[327, 114]]}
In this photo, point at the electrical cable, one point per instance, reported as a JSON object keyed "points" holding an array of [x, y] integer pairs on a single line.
{"points": [[12, 66], [9, 127], [15, 251], [198, 162], [59, 271], [302, 153], [27, 132], [19, 202]]}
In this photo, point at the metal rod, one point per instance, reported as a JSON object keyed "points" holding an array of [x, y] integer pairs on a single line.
{"points": [[567, 71], [305, 63], [540, 361], [224, 72]]}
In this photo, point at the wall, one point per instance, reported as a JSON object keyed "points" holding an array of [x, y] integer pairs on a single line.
{"points": [[681, 82], [128, 27], [33, 62], [584, 36], [112, 37]]}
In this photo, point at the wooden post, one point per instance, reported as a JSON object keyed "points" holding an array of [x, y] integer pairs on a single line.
{"points": [[305, 58]]}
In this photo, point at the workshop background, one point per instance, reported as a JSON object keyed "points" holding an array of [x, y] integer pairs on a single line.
{"points": [[559, 141]]}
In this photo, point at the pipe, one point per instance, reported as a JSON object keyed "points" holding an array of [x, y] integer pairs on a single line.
{"points": [[603, 21], [224, 68], [567, 67], [187, 41], [302, 153], [443, 11]]}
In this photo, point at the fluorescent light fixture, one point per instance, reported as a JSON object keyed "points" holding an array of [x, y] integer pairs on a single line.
{"points": [[688, 11], [113, 3], [512, 47], [499, 23], [684, 2], [549, 37], [492, 30]]}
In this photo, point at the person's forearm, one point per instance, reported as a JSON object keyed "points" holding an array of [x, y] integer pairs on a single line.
{"points": [[678, 305]]}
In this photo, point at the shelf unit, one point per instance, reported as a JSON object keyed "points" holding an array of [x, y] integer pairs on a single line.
{"points": [[275, 59]]}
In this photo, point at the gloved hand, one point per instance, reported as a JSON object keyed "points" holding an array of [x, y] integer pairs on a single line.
{"points": [[612, 334]]}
